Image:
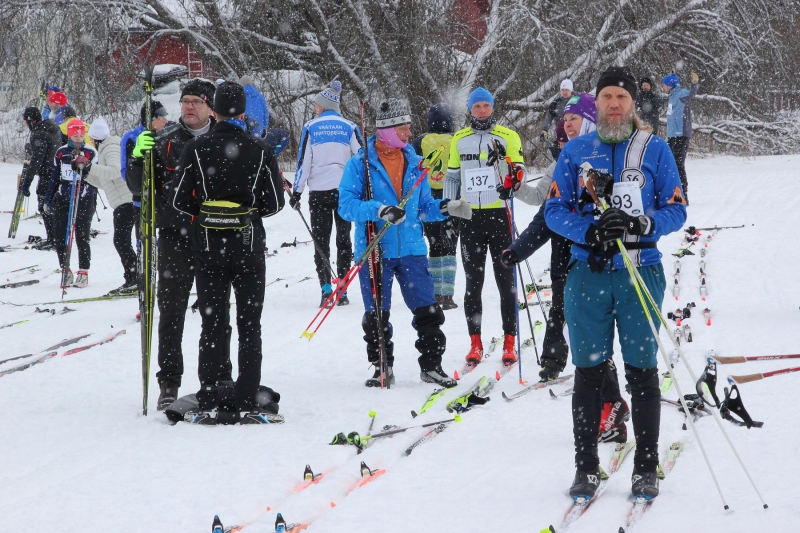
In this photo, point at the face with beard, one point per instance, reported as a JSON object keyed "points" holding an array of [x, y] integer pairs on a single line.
{"points": [[615, 109]]}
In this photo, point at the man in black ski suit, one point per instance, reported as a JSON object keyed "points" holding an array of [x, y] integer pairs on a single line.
{"points": [[44, 141], [228, 181], [175, 260]]}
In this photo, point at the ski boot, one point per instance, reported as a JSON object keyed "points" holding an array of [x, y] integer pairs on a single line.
{"points": [[644, 485], [612, 422], [446, 302], [585, 484], [509, 350], [438, 377], [216, 527], [169, 393], [198, 416], [69, 280], [127, 289], [343, 299], [327, 290], [82, 279], [476, 350], [548, 373], [375, 380], [280, 524]]}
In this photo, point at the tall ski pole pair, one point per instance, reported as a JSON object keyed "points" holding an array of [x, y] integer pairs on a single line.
{"points": [[148, 251], [648, 302], [21, 198], [498, 154]]}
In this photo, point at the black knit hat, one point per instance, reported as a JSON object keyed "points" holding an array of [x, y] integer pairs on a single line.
{"points": [[229, 100], [618, 77], [201, 88], [68, 112], [157, 109], [31, 114], [440, 119]]}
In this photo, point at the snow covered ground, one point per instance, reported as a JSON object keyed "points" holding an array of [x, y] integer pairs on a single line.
{"points": [[77, 455]]}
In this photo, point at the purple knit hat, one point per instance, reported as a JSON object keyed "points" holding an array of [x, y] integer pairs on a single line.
{"points": [[582, 104]]}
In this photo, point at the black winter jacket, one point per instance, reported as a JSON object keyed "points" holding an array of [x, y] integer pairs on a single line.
{"points": [[44, 142], [228, 164], [167, 155]]}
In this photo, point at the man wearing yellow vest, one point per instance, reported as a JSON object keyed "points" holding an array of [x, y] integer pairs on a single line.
{"points": [[442, 236], [471, 176]]}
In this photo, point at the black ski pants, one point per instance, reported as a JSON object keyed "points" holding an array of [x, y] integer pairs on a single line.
{"points": [[323, 205], [124, 221], [591, 389], [679, 147], [216, 272], [83, 226], [487, 231], [41, 194]]}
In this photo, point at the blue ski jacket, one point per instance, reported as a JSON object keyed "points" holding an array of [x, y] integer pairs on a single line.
{"points": [[257, 111], [679, 111], [642, 158], [402, 239]]}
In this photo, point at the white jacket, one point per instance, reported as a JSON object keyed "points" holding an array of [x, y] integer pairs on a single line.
{"points": [[326, 144], [105, 173]]}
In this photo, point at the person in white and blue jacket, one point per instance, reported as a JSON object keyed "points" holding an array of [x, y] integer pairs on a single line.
{"points": [[637, 175], [327, 142], [679, 121], [394, 168]]}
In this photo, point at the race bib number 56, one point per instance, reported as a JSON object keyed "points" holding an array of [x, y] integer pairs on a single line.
{"points": [[480, 179]]}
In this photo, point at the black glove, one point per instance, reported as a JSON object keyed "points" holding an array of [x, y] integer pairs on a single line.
{"points": [[392, 214], [509, 258], [610, 227], [640, 225], [294, 201], [25, 188]]}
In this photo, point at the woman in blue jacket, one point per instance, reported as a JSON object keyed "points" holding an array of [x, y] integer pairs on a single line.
{"points": [[394, 168]]}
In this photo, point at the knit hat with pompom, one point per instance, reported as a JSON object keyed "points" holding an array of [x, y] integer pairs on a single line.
{"points": [[330, 97]]}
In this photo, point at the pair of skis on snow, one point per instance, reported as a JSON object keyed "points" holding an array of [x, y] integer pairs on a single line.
{"points": [[639, 506]]}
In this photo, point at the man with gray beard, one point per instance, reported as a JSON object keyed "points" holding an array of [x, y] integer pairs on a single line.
{"points": [[636, 175]]}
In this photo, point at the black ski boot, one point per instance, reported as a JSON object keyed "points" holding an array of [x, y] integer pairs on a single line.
{"points": [[446, 302], [585, 484], [437, 376], [343, 300], [169, 393], [129, 288], [216, 527], [548, 373], [644, 485], [280, 524], [375, 380]]}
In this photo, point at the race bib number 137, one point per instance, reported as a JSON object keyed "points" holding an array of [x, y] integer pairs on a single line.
{"points": [[480, 179]]}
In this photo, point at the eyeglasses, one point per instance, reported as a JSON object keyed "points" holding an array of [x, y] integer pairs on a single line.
{"points": [[192, 103]]}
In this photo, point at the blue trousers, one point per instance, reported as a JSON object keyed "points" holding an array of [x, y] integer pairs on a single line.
{"points": [[416, 282], [593, 302]]}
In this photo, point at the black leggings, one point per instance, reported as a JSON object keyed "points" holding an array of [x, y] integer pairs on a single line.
{"points": [[679, 147], [124, 221], [83, 225], [488, 230], [322, 205]]}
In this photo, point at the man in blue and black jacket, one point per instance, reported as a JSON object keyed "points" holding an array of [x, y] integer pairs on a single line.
{"points": [[636, 173]]}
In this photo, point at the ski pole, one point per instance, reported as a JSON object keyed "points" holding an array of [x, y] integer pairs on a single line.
{"points": [[334, 278], [740, 359], [358, 440], [348, 278], [101, 200], [96, 214], [641, 289]]}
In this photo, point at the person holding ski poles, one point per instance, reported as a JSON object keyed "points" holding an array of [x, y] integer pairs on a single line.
{"points": [[580, 118], [175, 258], [471, 176], [394, 168], [326, 144], [228, 244], [635, 174], [72, 164]]}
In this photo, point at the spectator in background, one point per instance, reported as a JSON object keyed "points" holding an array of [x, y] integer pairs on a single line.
{"points": [[105, 174], [128, 141], [56, 102], [554, 112], [648, 104], [679, 122], [278, 139], [46, 97], [257, 111]]}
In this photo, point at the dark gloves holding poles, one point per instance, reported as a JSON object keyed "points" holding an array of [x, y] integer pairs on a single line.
{"points": [[614, 223], [509, 258], [392, 214], [294, 201]]}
